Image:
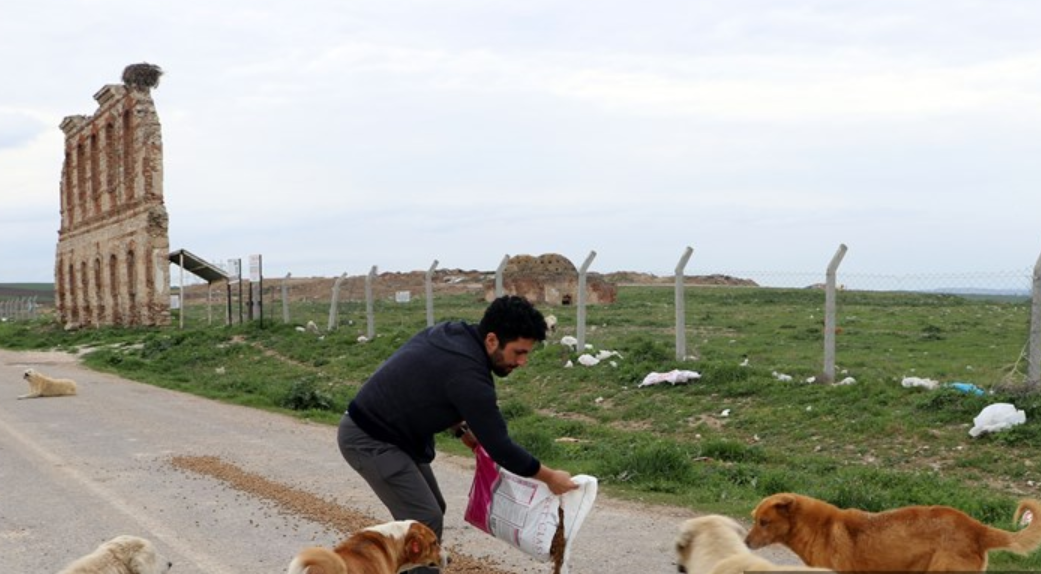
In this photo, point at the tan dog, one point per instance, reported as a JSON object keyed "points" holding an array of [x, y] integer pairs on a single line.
{"points": [[715, 544], [383, 549], [912, 539], [41, 385], [121, 555]]}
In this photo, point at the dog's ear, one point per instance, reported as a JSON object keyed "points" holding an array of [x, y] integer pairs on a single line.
{"points": [[784, 503], [683, 548], [685, 537], [415, 541]]}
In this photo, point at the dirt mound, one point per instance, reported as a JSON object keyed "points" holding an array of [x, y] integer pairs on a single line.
{"points": [[636, 278], [444, 282]]}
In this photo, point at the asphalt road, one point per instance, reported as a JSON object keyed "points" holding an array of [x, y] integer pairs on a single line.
{"points": [[75, 471]]}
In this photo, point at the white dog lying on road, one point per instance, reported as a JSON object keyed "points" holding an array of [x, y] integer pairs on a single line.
{"points": [[122, 555], [41, 385]]}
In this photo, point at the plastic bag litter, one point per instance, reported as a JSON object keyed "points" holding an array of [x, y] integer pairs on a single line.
{"points": [[997, 417], [588, 360], [909, 382], [967, 388], [675, 377]]}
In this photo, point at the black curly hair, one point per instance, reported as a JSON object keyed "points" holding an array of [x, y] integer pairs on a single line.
{"points": [[511, 317]]}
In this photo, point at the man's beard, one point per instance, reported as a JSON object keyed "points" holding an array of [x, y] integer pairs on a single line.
{"points": [[499, 366]]}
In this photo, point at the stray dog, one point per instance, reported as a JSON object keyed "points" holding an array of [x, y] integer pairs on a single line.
{"points": [[715, 544], [40, 385], [912, 539], [382, 549], [122, 555]]}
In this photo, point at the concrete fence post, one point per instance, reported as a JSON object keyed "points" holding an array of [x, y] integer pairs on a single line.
{"points": [[429, 284], [498, 275], [829, 315], [180, 294], [681, 305], [370, 312], [334, 305], [285, 298], [581, 326], [1034, 352]]}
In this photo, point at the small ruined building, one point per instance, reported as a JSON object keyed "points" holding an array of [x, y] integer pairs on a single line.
{"points": [[112, 264], [551, 279]]}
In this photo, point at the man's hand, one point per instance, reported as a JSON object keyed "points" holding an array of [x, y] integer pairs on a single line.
{"points": [[463, 433], [469, 439], [558, 481]]}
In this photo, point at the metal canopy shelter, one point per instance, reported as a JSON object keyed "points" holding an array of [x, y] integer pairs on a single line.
{"points": [[203, 269]]}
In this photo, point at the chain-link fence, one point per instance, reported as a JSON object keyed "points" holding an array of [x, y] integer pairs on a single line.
{"points": [[19, 308]]}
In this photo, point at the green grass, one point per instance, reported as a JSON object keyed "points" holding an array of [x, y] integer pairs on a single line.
{"points": [[873, 444]]}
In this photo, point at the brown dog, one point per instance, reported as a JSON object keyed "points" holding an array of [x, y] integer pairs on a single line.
{"points": [[715, 544], [912, 539], [383, 549]]}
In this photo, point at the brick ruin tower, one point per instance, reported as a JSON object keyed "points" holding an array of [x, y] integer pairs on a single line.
{"points": [[112, 265]]}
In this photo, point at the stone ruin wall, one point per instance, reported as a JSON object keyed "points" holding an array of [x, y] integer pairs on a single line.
{"points": [[112, 263], [550, 279]]}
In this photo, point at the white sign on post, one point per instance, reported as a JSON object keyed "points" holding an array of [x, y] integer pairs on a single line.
{"points": [[254, 267], [403, 296], [233, 269]]}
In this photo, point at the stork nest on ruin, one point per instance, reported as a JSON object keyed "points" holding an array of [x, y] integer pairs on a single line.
{"points": [[143, 75]]}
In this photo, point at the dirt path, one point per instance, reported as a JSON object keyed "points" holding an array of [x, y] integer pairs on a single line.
{"points": [[226, 489]]}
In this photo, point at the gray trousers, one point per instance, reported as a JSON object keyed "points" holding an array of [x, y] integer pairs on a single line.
{"points": [[408, 489]]}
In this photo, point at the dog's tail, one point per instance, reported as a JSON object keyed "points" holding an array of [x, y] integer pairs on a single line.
{"points": [[1022, 541], [317, 560]]}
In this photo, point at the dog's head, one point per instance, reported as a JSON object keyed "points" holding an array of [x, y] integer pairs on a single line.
{"points": [[772, 520], [417, 545], [422, 548], [28, 373], [137, 554], [705, 534]]}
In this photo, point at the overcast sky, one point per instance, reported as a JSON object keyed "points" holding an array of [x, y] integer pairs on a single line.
{"points": [[331, 136]]}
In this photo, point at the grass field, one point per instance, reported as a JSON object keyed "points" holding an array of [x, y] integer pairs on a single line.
{"points": [[718, 444]]}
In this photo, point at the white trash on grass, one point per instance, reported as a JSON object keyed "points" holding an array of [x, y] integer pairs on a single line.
{"points": [[605, 354], [675, 377], [588, 360], [997, 417], [910, 382]]}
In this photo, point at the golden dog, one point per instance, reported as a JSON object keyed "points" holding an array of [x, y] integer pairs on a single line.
{"points": [[41, 385], [122, 555], [383, 549], [715, 544], [912, 539]]}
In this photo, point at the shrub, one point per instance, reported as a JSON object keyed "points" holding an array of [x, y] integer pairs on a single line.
{"points": [[304, 394]]}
